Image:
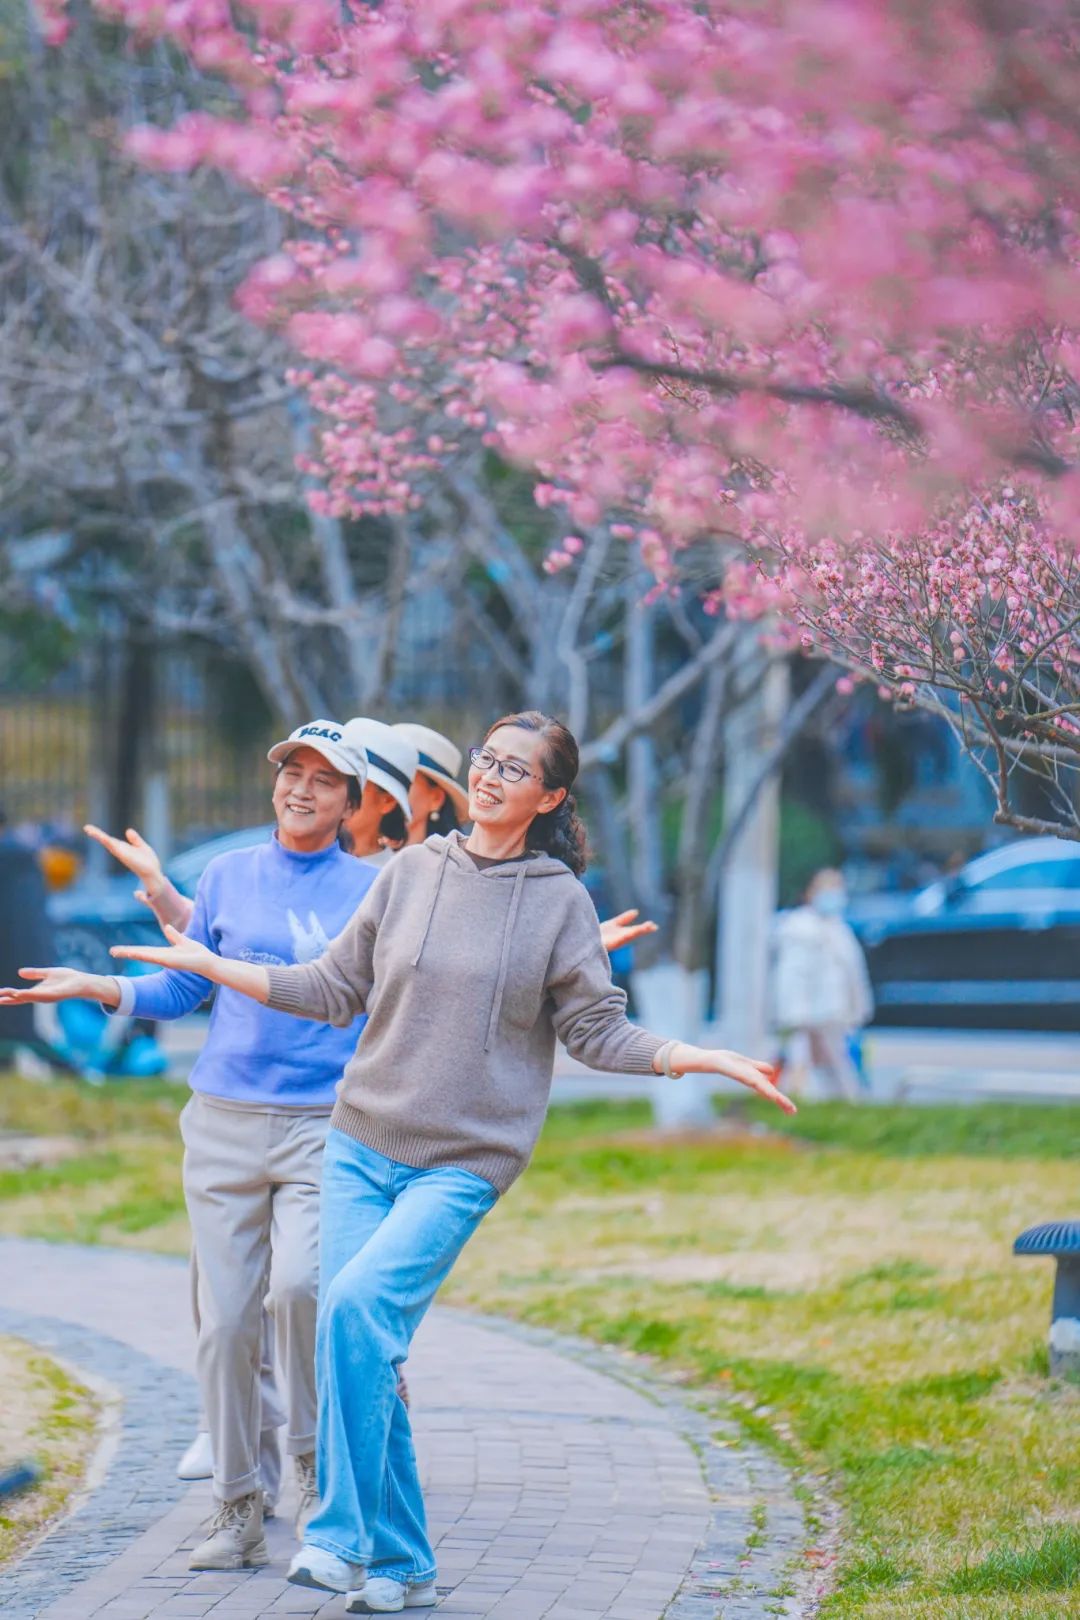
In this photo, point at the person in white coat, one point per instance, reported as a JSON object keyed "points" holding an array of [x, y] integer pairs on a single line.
{"points": [[821, 989]]}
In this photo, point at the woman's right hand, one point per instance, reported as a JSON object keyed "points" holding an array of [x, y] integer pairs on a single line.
{"points": [[131, 851], [61, 984], [155, 890]]}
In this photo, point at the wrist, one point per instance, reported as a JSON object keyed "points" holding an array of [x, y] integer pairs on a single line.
{"points": [[671, 1058], [102, 987]]}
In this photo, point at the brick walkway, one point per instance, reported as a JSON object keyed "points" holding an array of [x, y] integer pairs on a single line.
{"points": [[554, 1488]]}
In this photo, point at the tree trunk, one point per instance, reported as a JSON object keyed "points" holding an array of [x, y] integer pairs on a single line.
{"points": [[748, 883], [643, 782], [134, 723], [672, 1001], [694, 894]]}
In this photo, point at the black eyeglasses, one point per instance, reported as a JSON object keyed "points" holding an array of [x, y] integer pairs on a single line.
{"points": [[511, 770]]}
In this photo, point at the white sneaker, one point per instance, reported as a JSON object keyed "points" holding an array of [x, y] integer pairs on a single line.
{"points": [[309, 1493], [197, 1461], [236, 1537], [314, 1567], [381, 1594]]}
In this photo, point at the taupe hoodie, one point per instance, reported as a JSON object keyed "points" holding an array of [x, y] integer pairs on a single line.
{"points": [[467, 976]]}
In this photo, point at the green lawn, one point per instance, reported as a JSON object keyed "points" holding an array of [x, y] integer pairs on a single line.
{"points": [[843, 1284], [50, 1418]]}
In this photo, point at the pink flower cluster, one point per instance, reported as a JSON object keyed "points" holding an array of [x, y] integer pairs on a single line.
{"points": [[799, 276]]}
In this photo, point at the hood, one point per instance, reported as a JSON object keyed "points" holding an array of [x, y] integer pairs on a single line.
{"points": [[452, 848]]}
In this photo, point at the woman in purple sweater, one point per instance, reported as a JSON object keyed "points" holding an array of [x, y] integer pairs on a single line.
{"points": [[255, 1125], [470, 956]]}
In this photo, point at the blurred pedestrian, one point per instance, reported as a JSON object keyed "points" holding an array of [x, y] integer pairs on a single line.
{"points": [[821, 989]]}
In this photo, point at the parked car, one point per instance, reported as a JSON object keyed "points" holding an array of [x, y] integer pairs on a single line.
{"points": [[994, 946], [95, 913]]}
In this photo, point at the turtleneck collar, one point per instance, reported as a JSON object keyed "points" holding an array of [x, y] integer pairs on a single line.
{"points": [[301, 858]]}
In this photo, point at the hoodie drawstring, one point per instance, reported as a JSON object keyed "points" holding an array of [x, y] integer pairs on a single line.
{"points": [[504, 959], [431, 907]]}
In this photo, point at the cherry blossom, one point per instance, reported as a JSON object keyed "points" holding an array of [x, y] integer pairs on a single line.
{"points": [[797, 277]]}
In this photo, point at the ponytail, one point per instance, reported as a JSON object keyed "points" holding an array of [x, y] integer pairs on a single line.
{"points": [[561, 832]]}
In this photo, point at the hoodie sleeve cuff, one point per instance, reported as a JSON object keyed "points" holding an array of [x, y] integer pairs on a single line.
{"points": [[638, 1058], [286, 992], [126, 1005]]}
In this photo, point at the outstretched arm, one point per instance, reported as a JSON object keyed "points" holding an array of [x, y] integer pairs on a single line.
{"points": [[332, 990], [141, 859], [188, 956], [590, 1020]]}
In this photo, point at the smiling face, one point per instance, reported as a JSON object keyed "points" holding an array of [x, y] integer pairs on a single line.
{"points": [[310, 799], [508, 808]]}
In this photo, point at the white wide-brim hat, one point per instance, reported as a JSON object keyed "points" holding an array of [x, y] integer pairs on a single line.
{"points": [[391, 758], [327, 737], [439, 760]]}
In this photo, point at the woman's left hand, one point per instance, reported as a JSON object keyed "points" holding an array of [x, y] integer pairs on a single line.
{"points": [[755, 1073], [623, 930]]}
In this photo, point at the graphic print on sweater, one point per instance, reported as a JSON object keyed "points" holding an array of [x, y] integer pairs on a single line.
{"points": [[309, 943]]}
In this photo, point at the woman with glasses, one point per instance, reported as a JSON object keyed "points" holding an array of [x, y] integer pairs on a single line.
{"points": [[471, 956]]}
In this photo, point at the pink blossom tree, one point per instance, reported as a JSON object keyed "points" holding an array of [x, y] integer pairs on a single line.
{"points": [[798, 277], [977, 619]]}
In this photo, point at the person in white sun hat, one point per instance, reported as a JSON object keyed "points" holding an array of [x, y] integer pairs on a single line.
{"points": [[255, 1126], [380, 823], [437, 799]]}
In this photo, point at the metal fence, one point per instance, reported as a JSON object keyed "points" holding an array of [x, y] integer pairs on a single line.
{"points": [[57, 758]]}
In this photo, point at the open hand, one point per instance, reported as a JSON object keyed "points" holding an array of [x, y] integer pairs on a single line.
{"points": [[183, 954], [623, 930], [759, 1076], [135, 853], [756, 1073], [54, 984]]}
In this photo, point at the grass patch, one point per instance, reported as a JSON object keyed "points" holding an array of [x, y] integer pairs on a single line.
{"points": [[47, 1416], [987, 1130], [1049, 1564], [844, 1285], [876, 1574]]}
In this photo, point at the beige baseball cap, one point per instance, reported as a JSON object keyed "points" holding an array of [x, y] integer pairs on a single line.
{"points": [[327, 737]]}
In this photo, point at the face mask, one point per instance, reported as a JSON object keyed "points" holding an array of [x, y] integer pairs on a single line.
{"points": [[830, 902]]}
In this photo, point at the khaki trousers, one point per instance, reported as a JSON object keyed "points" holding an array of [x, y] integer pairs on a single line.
{"points": [[271, 1416], [251, 1184]]}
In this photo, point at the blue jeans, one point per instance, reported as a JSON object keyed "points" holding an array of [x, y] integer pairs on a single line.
{"points": [[388, 1237]]}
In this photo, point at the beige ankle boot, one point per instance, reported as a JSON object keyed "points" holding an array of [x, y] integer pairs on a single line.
{"points": [[236, 1537]]}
